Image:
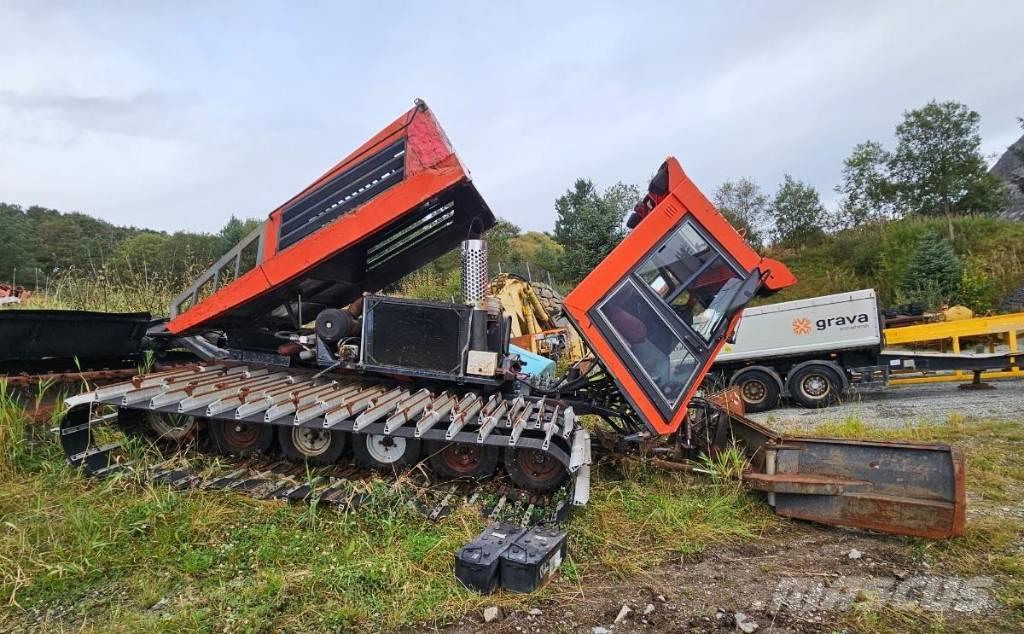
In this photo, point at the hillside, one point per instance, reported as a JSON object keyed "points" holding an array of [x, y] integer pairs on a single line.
{"points": [[44, 246], [876, 256]]}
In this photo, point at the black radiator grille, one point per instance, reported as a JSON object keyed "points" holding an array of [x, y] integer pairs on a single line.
{"points": [[342, 194], [412, 334]]}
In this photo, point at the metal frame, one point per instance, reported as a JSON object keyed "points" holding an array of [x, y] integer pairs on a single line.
{"points": [[190, 296], [1010, 327]]}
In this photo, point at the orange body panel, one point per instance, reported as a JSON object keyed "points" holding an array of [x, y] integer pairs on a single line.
{"points": [[430, 168]]}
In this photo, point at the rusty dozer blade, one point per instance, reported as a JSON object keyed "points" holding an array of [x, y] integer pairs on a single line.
{"points": [[893, 487]]}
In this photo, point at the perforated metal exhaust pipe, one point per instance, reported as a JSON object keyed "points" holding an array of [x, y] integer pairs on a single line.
{"points": [[474, 271], [474, 289]]}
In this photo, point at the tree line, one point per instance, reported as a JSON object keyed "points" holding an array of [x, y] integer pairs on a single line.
{"points": [[41, 244], [935, 169]]}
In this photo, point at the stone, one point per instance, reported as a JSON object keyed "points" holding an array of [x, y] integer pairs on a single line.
{"points": [[492, 613], [854, 554], [535, 612], [744, 623], [648, 609], [623, 613], [600, 630]]}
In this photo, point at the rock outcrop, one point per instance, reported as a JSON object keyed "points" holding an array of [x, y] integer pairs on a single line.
{"points": [[1007, 168]]}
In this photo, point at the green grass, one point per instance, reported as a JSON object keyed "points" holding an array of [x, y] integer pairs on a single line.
{"points": [[100, 554], [107, 551], [640, 517], [122, 555]]}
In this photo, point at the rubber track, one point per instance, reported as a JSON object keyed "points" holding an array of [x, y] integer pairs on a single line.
{"points": [[343, 487]]}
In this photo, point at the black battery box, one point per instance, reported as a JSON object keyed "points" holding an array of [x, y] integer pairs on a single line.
{"points": [[532, 559], [477, 563]]}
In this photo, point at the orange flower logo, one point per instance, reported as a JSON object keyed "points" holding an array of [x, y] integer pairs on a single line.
{"points": [[801, 326]]}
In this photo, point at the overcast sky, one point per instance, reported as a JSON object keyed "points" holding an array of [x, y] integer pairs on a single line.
{"points": [[175, 115]]}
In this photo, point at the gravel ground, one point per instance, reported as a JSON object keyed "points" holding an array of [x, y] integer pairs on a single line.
{"points": [[899, 406]]}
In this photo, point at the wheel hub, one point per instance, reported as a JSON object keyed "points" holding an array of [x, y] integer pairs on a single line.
{"points": [[754, 391], [538, 464], [240, 436], [815, 386], [385, 449], [311, 442], [462, 458]]}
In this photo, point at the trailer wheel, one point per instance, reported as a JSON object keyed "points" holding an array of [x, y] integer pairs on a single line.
{"points": [[534, 470], [240, 439], [315, 446], [462, 460], [815, 385], [758, 389], [385, 453]]}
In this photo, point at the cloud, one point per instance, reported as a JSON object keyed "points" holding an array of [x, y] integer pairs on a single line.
{"points": [[178, 115]]}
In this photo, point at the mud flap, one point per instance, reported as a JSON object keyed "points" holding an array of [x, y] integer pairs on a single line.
{"points": [[894, 487]]}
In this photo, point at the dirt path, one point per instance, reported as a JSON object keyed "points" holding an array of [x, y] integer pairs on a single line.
{"points": [[802, 579]]}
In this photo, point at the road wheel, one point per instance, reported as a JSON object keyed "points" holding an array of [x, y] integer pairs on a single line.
{"points": [[534, 470], [462, 460], [172, 428], [385, 453], [758, 390], [315, 446], [239, 438], [815, 386]]}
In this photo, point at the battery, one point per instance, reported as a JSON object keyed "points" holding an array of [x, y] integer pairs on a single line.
{"points": [[477, 563], [532, 559]]}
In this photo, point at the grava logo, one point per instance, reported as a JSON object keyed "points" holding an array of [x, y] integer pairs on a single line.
{"points": [[801, 326]]}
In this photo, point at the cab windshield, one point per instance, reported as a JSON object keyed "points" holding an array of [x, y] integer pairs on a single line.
{"points": [[693, 278], [665, 315]]}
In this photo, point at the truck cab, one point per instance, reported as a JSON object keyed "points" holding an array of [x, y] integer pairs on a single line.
{"points": [[658, 309]]}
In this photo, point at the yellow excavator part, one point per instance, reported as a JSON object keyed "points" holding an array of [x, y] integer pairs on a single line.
{"points": [[533, 327]]}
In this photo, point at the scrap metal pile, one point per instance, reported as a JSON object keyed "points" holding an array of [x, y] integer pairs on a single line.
{"points": [[301, 356]]}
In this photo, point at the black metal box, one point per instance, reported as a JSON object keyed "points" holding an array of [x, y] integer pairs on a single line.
{"points": [[477, 563], [532, 559], [418, 337], [34, 335]]}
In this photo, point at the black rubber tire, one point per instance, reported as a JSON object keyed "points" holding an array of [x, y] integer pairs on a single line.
{"points": [[229, 441], [440, 455], [336, 445], [529, 480], [365, 457], [759, 391], [814, 386]]}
